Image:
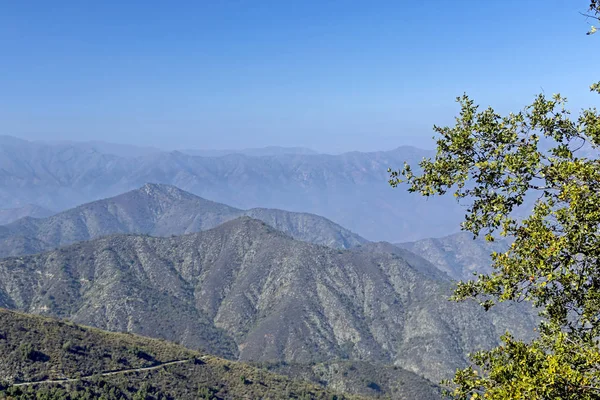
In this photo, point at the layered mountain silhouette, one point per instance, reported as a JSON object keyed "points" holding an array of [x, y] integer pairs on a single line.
{"points": [[9, 215], [349, 188], [246, 291], [158, 210]]}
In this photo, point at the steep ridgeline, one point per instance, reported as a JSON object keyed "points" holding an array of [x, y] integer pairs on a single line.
{"points": [[87, 363], [459, 255], [30, 210], [247, 291], [158, 210], [349, 188]]}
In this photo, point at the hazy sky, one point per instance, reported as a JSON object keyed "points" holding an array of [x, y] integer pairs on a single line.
{"points": [[330, 75]]}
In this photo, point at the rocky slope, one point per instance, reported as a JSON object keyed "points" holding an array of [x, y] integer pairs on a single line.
{"points": [[362, 378], [246, 291], [459, 255], [158, 210], [97, 364]]}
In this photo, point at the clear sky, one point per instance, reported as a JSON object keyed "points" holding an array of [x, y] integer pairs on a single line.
{"points": [[330, 75]]}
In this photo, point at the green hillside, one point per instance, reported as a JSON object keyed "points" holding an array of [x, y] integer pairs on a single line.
{"points": [[43, 358]]}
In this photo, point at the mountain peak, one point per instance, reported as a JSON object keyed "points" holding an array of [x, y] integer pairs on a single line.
{"points": [[249, 226], [162, 188], [168, 196], [159, 209], [248, 221]]}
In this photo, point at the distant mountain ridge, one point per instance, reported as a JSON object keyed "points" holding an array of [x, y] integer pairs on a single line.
{"points": [[349, 188], [132, 151], [458, 255], [30, 210], [92, 146], [248, 291], [254, 152], [158, 210]]}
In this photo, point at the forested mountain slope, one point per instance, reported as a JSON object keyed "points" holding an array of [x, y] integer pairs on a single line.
{"points": [[87, 363]]}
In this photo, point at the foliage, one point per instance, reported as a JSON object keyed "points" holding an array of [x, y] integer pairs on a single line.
{"points": [[493, 164], [594, 10]]}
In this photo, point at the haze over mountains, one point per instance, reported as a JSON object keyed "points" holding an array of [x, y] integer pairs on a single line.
{"points": [[158, 210], [127, 150], [350, 189], [207, 205], [296, 290]]}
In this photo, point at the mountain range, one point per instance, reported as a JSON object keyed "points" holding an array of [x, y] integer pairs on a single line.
{"points": [[350, 189], [246, 291], [253, 152], [292, 292], [127, 150], [164, 210], [158, 210]]}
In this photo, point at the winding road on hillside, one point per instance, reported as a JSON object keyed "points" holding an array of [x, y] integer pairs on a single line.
{"points": [[110, 373]]}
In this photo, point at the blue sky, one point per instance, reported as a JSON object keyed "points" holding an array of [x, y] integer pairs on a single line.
{"points": [[330, 75]]}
